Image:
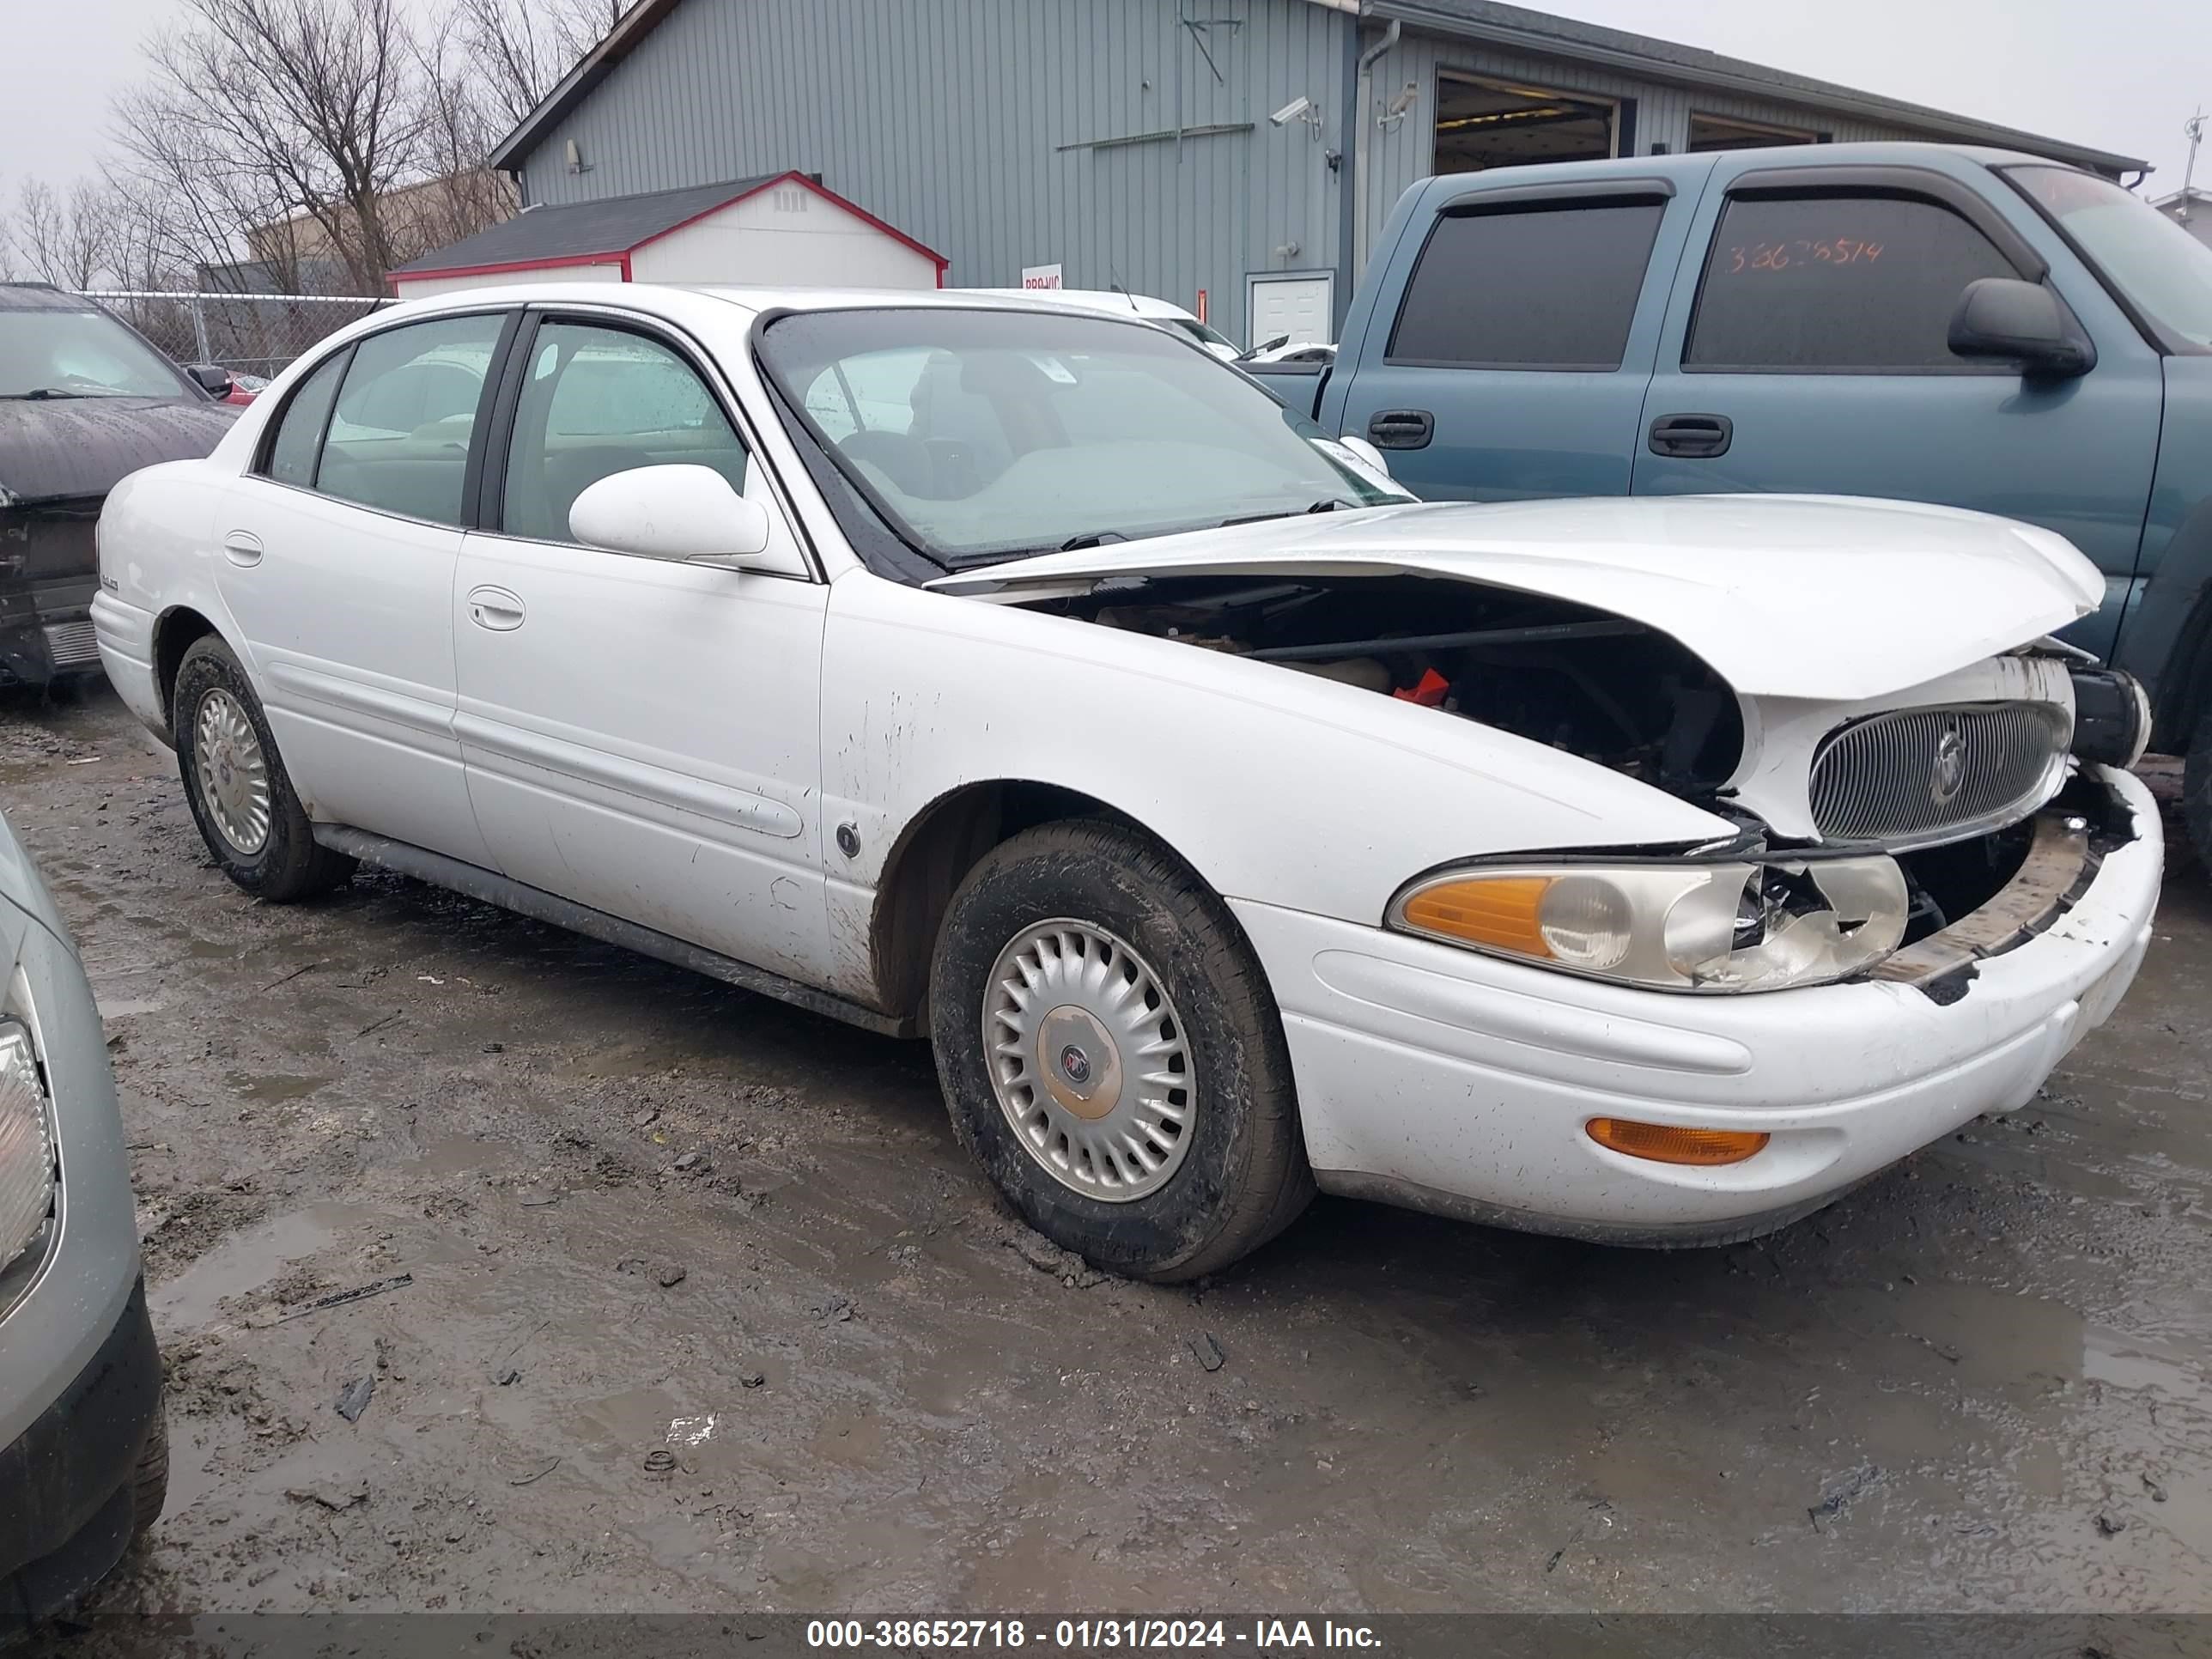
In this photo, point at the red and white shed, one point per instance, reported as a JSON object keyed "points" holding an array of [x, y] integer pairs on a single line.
{"points": [[784, 230]]}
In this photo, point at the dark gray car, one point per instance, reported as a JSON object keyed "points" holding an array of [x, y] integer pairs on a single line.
{"points": [[84, 1455], [84, 398]]}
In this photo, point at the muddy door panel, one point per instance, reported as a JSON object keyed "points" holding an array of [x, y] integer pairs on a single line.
{"points": [[642, 737]]}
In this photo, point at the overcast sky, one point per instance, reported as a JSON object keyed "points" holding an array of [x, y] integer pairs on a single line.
{"points": [[2120, 73]]}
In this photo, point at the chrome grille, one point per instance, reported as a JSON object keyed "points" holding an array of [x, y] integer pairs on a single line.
{"points": [[71, 644], [1913, 774]]}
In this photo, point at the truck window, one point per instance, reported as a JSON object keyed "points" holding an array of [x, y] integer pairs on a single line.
{"points": [[2156, 263], [1545, 287], [1836, 282]]}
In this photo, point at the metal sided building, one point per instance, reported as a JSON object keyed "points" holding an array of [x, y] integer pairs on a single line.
{"points": [[1235, 156]]}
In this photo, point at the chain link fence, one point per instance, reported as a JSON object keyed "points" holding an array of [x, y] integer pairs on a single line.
{"points": [[254, 334]]}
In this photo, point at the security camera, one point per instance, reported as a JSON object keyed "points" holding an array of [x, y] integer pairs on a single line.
{"points": [[1290, 112]]}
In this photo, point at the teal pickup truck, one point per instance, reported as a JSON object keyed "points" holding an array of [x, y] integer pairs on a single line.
{"points": [[1966, 326]]}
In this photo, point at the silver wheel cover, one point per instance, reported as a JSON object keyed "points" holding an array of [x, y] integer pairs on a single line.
{"points": [[234, 772], [1088, 1060]]}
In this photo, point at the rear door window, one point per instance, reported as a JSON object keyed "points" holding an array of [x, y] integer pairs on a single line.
{"points": [[405, 415], [299, 441], [1837, 283], [1549, 286]]}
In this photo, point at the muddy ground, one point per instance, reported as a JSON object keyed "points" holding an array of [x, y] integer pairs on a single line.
{"points": [[707, 1311]]}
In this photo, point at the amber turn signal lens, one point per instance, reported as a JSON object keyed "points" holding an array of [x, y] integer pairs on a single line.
{"points": [[1498, 911], [1664, 1144]]}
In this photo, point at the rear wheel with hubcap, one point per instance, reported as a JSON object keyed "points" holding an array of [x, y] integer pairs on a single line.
{"points": [[235, 781], [1111, 1053]]}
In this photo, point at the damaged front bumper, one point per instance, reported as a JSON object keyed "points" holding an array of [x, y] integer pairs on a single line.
{"points": [[46, 634], [48, 575], [1446, 1080]]}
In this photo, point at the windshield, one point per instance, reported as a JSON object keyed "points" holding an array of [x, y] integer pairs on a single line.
{"points": [[985, 434], [2163, 271], [79, 354]]}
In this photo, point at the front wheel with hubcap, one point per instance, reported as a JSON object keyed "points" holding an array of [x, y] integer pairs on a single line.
{"points": [[235, 780], [1111, 1053]]}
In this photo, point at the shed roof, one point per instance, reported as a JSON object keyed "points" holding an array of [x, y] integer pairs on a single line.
{"points": [[616, 226], [609, 227]]}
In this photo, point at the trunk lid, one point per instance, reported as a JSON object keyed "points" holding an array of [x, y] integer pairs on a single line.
{"points": [[1839, 599]]}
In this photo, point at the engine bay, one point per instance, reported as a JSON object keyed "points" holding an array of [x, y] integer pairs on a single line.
{"points": [[1595, 685]]}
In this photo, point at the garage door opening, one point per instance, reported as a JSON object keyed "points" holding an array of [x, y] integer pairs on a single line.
{"points": [[1711, 132], [1495, 124]]}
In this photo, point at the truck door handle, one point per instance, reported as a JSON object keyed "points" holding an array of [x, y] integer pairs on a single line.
{"points": [[494, 608], [1691, 437], [1402, 429], [242, 547]]}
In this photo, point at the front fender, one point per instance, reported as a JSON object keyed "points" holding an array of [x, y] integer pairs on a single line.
{"points": [[2166, 636], [1276, 786]]}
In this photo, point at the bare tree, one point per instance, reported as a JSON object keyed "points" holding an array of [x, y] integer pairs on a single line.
{"points": [[459, 126], [70, 241], [43, 234], [317, 120], [521, 48]]}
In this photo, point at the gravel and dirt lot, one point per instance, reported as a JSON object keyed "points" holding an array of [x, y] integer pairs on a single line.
{"points": [[691, 1301]]}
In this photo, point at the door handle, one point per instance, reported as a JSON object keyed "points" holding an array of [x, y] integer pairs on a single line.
{"points": [[242, 547], [494, 608], [1691, 437], [1402, 429]]}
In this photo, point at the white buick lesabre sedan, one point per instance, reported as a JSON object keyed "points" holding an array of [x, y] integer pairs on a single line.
{"points": [[1639, 870]]}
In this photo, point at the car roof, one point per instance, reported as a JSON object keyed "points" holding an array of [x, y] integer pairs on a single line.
{"points": [[1695, 164], [1092, 299], [676, 300]]}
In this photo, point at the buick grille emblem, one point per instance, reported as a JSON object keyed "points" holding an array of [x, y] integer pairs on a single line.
{"points": [[1948, 775]]}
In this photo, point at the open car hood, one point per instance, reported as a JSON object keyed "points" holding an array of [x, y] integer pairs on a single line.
{"points": [[1829, 597]]}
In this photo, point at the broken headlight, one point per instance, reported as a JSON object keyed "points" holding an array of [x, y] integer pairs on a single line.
{"points": [[1673, 926]]}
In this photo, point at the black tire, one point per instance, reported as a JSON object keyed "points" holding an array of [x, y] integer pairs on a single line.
{"points": [[288, 864], [1242, 1177], [149, 1481], [2197, 792]]}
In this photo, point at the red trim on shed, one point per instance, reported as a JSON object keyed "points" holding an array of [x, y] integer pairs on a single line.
{"points": [[621, 256], [556, 262]]}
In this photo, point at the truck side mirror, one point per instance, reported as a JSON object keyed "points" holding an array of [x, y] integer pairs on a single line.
{"points": [[2021, 322]]}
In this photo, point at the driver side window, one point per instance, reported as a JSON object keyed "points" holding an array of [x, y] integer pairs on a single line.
{"points": [[599, 401]]}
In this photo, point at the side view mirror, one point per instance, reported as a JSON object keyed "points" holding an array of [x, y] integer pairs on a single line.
{"points": [[2020, 322], [684, 512], [210, 378], [1367, 452]]}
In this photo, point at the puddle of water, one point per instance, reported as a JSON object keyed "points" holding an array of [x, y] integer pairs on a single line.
{"points": [[124, 1007], [2135, 1362], [273, 1086], [247, 1262], [637, 1417], [455, 1155]]}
